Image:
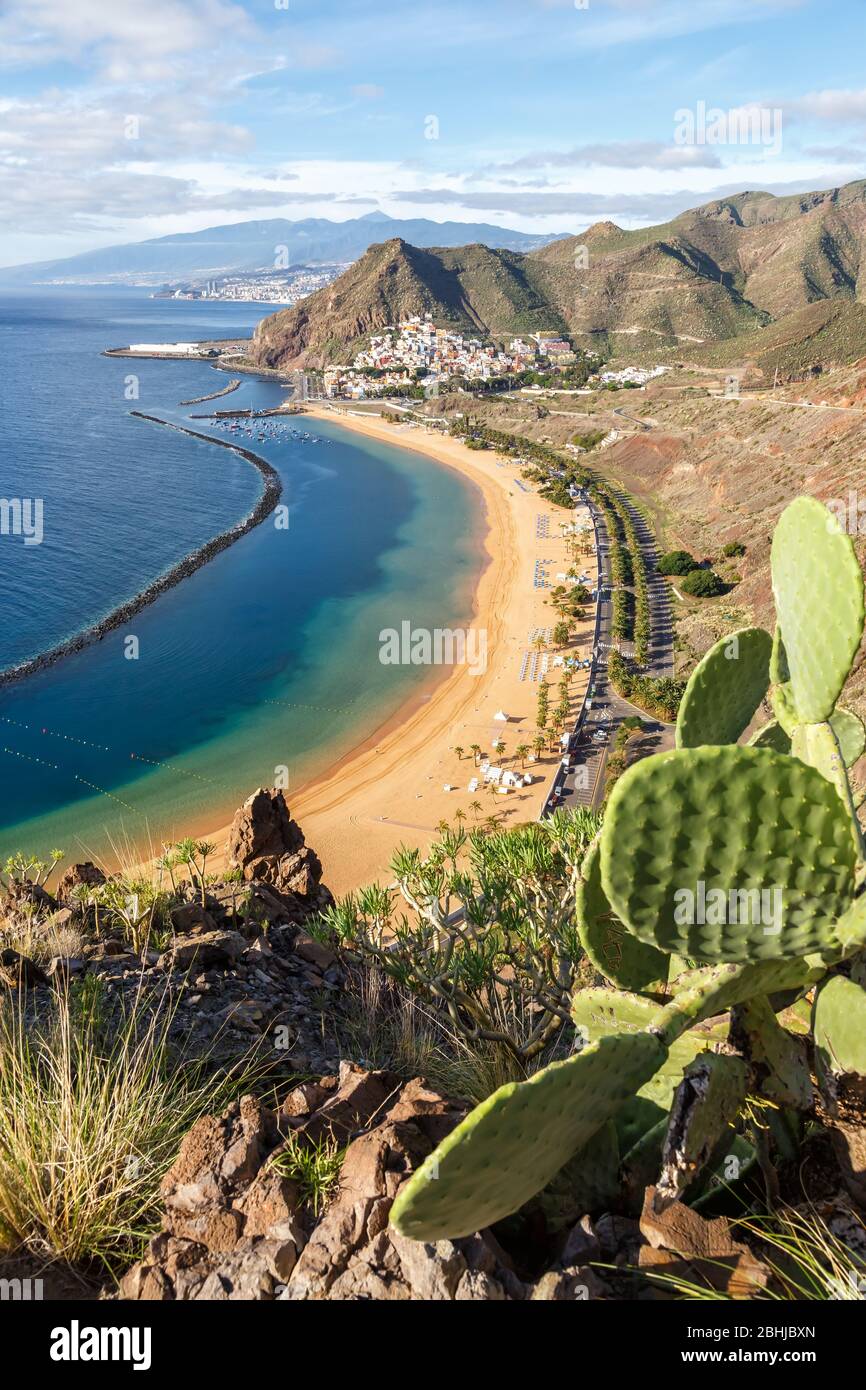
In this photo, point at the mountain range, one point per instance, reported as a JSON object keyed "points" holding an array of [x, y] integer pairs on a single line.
{"points": [[253, 246], [723, 273]]}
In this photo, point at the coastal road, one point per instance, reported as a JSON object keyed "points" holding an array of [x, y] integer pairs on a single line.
{"points": [[591, 742]]}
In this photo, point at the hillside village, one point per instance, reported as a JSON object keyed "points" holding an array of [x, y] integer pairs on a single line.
{"points": [[416, 352], [416, 355]]}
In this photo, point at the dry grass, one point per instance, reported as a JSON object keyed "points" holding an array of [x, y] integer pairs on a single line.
{"points": [[92, 1112], [393, 1029]]}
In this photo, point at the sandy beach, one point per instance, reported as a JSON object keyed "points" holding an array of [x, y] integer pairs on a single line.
{"points": [[391, 789]]}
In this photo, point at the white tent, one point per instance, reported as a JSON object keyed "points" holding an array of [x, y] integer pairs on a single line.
{"points": [[501, 716]]}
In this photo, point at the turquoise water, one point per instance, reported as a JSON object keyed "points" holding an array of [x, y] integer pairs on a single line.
{"points": [[265, 659]]}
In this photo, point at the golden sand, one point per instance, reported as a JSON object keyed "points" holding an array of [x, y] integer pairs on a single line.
{"points": [[391, 790]]}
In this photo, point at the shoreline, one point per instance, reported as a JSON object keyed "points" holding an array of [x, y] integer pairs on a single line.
{"points": [[404, 777], [181, 570]]}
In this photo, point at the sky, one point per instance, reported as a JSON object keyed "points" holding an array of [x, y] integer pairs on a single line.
{"points": [[127, 119]]}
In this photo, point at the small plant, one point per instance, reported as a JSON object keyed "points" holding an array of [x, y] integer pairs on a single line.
{"points": [[315, 1167], [134, 906], [194, 854], [489, 939], [733, 549], [93, 1107], [28, 869]]}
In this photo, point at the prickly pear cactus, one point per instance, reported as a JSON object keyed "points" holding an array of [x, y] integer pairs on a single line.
{"points": [[771, 735], [707, 1103], [725, 689], [818, 589], [602, 1013], [851, 735], [614, 951], [839, 1023], [749, 860], [514, 1142], [686, 830]]}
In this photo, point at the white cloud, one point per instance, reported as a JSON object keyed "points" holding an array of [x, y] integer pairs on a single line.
{"points": [[126, 36], [838, 106], [626, 154]]}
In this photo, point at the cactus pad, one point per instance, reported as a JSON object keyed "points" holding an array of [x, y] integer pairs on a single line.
{"points": [[601, 1013], [818, 590], [512, 1144], [615, 952], [725, 689], [736, 821], [851, 735], [839, 1023]]}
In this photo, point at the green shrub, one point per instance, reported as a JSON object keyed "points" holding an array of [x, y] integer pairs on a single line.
{"points": [[733, 548], [677, 562], [703, 584]]}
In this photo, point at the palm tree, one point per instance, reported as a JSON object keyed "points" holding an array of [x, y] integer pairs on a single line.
{"points": [[520, 752], [538, 745], [475, 750], [476, 808], [459, 751], [459, 815]]}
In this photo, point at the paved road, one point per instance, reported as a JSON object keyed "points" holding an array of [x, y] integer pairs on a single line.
{"points": [[590, 744]]}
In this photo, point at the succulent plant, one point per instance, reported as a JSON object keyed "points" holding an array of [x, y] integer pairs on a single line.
{"points": [[727, 881]]}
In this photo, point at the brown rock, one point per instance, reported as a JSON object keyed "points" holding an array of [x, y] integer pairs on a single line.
{"points": [[361, 1096], [85, 875], [306, 1097], [217, 1229], [208, 948], [685, 1244], [269, 1201], [268, 846], [17, 970], [190, 919], [568, 1286], [314, 952]]}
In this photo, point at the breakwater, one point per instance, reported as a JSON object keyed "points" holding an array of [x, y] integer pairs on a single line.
{"points": [[214, 395], [182, 570]]}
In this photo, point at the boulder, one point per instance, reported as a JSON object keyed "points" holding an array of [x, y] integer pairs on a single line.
{"points": [[190, 919], [18, 971], [268, 846], [205, 949], [86, 875]]}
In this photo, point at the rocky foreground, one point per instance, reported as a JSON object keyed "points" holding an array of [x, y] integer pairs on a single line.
{"points": [[289, 1197], [238, 969]]}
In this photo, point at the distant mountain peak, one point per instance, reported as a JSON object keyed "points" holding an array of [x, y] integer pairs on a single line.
{"points": [[236, 248], [725, 273]]}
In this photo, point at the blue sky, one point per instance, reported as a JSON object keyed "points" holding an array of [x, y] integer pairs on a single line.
{"points": [[126, 119]]}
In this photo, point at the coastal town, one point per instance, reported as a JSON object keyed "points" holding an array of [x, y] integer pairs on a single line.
{"points": [[417, 358], [285, 287]]}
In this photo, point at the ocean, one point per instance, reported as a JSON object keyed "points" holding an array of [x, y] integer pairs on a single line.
{"points": [[263, 666]]}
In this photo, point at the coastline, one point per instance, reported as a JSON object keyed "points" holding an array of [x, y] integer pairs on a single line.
{"points": [[181, 570], [391, 788]]}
